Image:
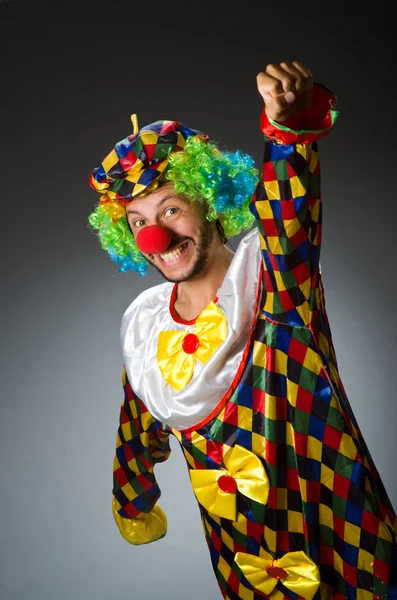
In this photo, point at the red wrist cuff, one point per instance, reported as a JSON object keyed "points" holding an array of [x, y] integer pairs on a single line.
{"points": [[309, 125]]}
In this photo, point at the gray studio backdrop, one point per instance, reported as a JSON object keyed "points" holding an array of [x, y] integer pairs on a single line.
{"points": [[69, 87]]}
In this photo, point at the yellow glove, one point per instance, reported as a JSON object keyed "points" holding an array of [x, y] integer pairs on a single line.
{"points": [[146, 528]]}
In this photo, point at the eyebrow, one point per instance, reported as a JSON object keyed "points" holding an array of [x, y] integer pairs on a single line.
{"points": [[160, 203]]}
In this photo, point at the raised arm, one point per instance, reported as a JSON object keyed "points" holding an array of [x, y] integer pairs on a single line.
{"points": [[287, 202], [141, 443]]}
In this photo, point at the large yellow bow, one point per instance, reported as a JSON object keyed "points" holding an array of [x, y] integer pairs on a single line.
{"points": [[296, 570], [177, 363], [216, 489]]}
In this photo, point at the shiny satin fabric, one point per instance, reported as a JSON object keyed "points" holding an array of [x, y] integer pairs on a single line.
{"points": [[144, 529], [176, 365], [148, 152], [149, 314], [301, 574], [247, 471]]}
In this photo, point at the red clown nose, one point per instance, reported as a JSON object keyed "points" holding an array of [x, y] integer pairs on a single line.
{"points": [[153, 239]]}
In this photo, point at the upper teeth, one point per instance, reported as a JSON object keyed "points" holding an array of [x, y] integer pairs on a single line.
{"points": [[174, 254]]}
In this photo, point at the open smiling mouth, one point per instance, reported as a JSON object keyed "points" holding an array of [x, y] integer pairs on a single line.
{"points": [[175, 256]]}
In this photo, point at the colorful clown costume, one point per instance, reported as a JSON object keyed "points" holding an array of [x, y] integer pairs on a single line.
{"points": [[291, 503]]}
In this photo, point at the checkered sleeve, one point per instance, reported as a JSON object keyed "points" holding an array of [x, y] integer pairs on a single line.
{"points": [[141, 443], [287, 208]]}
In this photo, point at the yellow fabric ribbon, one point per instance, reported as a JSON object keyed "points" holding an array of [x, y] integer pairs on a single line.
{"points": [[145, 528], [175, 364], [302, 573], [249, 474]]}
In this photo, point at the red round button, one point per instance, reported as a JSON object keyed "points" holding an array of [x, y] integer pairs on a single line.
{"points": [[190, 343], [227, 484], [276, 572]]}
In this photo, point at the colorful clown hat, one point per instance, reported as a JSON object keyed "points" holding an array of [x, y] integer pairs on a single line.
{"points": [[139, 159]]}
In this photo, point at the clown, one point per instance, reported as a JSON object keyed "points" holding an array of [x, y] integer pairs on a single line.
{"points": [[233, 355]]}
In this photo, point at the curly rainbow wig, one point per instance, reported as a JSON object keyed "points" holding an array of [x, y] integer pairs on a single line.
{"points": [[168, 151]]}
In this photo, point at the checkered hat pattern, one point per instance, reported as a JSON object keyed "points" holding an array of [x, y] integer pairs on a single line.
{"points": [[139, 159], [288, 408]]}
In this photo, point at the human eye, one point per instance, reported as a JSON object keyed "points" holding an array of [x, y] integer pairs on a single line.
{"points": [[139, 223], [172, 210]]}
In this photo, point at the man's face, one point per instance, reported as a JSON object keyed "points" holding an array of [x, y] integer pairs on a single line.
{"points": [[192, 235]]}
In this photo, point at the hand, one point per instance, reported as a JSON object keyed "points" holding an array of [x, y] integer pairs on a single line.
{"points": [[286, 90]]}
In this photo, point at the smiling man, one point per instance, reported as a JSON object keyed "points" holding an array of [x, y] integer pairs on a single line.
{"points": [[233, 355], [195, 257]]}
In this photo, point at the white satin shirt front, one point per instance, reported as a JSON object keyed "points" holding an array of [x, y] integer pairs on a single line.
{"points": [[149, 314]]}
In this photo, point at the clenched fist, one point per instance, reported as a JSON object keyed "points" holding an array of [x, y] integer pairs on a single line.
{"points": [[286, 89]]}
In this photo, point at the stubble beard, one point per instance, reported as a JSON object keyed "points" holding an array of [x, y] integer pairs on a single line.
{"points": [[203, 244]]}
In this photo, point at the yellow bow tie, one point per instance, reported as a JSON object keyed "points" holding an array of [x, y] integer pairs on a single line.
{"points": [[215, 489], [296, 570], [177, 351]]}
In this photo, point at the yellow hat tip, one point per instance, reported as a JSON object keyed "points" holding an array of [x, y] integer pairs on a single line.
{"points": [[134, 121]]}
